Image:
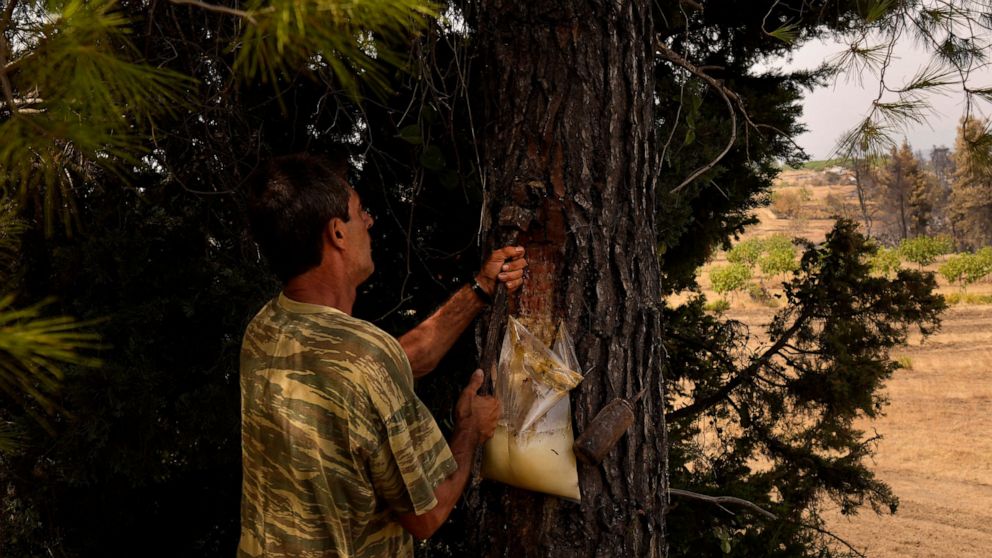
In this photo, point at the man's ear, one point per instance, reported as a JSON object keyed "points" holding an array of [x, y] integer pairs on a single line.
{"points": [[335, 233]]}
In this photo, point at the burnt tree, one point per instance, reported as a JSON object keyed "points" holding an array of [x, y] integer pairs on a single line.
{"points": [[571, 168]]}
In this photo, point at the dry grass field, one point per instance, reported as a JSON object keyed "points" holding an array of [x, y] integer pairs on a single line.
{"points": [[936, 447]]}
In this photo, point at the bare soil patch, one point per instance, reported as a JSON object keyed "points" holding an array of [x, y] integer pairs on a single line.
{"points": [[936, 450]]}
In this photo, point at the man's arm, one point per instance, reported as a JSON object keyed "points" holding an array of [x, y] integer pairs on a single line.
{"points": [[477, 416], [430, 340]]}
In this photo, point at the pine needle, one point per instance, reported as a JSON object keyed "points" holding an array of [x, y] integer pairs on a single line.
{"points": [[33, 350]]}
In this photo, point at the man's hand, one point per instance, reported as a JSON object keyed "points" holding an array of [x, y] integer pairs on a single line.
{"points": [[426, 344], [505, 265], [477, 413], [477, 416]]}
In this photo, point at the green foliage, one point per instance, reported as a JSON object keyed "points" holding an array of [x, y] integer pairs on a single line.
{"points": [[33, 350], [966, 269], [82, 96], [793, 402], [730, 278], [968, 298], [884, 262], [12, 228], [924, 250], [759, 293], [746, 252], [718, 306], [147, 453], [34, 347], [778, 243], [79, 96], [779, 257], [285, 36], [775, 255], [785, 33], [147, 444], [954, 270], [702, 217]]}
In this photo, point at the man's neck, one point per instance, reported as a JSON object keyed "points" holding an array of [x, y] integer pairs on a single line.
{"points": [[320, 286]]}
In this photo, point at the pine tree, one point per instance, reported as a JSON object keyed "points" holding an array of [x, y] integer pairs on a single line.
{"points": [[921, 204], [940, 167], [899, 181], [971, 196]]}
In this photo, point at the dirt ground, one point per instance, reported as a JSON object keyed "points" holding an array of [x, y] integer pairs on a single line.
{"points": [[936, 446]]}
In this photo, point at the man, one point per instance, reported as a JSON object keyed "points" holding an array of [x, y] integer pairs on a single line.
{"points": [[340, 457]]}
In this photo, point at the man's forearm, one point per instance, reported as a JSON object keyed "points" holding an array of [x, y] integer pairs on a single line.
{"points": [[428, 342], [463, 444]]}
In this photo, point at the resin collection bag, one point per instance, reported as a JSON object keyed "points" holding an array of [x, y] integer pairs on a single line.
{"points": [[532, 446]]}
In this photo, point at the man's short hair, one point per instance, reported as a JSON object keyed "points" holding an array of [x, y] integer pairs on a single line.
{"points": [[290, 201]]}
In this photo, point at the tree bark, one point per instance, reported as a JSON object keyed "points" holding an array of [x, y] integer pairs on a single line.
{"points": [[571, 163]]}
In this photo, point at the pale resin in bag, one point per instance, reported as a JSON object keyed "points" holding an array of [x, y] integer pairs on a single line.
{"points": [[532, 446]]}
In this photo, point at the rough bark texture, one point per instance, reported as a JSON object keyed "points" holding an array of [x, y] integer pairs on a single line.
{"points": [[570, 153]]}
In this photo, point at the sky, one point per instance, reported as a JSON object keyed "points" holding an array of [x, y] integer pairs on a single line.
{"points": [[830, 111]]}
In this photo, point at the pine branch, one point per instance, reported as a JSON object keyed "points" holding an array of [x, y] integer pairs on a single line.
{"points": [[719, 395], [33, 348], [5, 86], [728, 96], [289, 37], [218, 9], [832, 535], [675, 57], [11, 438], [8, 13], [13, 65], [720, 500]]}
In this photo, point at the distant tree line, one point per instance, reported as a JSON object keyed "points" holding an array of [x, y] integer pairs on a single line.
{"points": [[910, 194]]}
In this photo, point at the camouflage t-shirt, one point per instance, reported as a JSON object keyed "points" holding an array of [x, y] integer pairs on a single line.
{"points": [[335, 443]]}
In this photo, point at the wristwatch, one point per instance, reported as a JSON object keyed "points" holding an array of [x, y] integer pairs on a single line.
{"points": [[481, 293]]}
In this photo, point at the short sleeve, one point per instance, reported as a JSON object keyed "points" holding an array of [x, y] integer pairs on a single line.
{"points": [[411, 461]]}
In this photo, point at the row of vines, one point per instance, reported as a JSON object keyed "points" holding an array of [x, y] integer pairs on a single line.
{"points": [[755, 264]]}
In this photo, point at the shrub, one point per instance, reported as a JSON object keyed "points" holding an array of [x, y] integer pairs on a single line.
{"points": [[981, 265], [780, 257], [760, 294], [968, 298], [730, 278], [786, 204], [746, 252], [777, 242], [718, 306], [965, 269], [984, 257], [953, 270], [835, 205], [884, 262], [924, 250]]}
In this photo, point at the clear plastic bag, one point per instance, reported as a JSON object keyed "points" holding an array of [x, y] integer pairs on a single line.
{"points": [[532, 446]]}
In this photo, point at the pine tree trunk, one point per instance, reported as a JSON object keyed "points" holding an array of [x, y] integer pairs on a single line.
{"points": [[570, 149]]}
